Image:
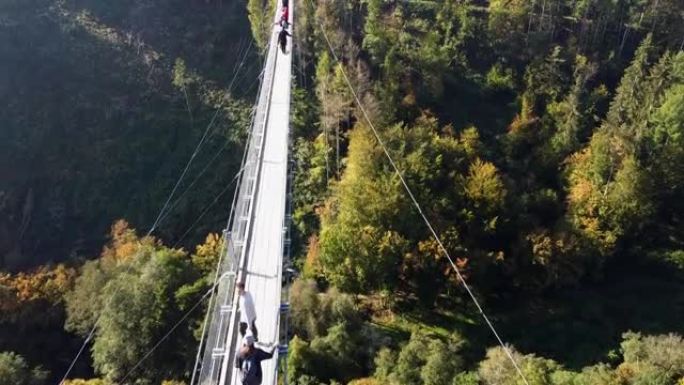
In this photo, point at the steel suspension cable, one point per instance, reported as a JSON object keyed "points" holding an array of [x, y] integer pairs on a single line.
{"points": [[161, 215], [216, 155], [169, 332], [420, 210], [224, 250], [208, 207], [236, 70]]}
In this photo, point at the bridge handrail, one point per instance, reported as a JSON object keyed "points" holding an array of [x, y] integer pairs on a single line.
{"points": [[220, 337]]}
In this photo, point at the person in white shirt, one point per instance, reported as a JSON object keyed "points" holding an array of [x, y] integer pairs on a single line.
{"points": [[247, 312]]}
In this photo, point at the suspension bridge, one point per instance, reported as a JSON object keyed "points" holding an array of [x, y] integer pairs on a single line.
{"points": [[257, 239]]}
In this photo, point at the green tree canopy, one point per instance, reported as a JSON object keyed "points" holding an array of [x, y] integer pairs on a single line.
{"points": [[14, 370], [136, 290], [422, 360]]}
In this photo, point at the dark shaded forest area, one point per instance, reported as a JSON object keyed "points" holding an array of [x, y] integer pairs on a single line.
{"points": [[103, 103]]}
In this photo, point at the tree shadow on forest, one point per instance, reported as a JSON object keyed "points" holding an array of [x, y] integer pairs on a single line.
{"points": [[207, 34], [467, 101], [580, 327], [576, 327], [96, 131], [91, 134]]}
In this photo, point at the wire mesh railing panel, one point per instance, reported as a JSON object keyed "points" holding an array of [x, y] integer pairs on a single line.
{"points": [[218, 341], [259, 134]]}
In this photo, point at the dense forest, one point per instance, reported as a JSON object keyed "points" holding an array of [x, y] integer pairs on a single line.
{"points": [[543, 140], [104, 104]]}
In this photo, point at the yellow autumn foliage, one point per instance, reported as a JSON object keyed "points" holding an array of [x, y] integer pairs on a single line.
{"points": [[44, 283], [207, 254], [92, 381]]}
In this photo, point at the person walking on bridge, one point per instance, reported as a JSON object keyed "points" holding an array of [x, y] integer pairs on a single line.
{"points": [[282, 39], [247, 312], [285, 16], [248, 361], [284, 19]]}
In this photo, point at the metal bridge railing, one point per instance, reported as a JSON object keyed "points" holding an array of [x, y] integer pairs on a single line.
{"points": [[219, 337]]}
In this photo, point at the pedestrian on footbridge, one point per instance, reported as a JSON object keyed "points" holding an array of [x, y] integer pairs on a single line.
{"points": [[247, 312], [284, 19], [248, 361], [285, 15], [282, 39]]}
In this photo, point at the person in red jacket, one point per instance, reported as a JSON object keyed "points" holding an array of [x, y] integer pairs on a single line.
{"points": [[283, 22], [285, 14]]}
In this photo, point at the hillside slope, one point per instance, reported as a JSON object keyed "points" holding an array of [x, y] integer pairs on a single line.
{"points": [[103, 104]]}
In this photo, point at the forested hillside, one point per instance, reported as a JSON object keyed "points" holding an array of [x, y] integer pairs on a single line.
{"points": [[542, 140], [103, 104]]}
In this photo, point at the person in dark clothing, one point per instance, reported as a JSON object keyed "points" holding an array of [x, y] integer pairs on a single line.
{"points": [[282, 39], [248, 361]]}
